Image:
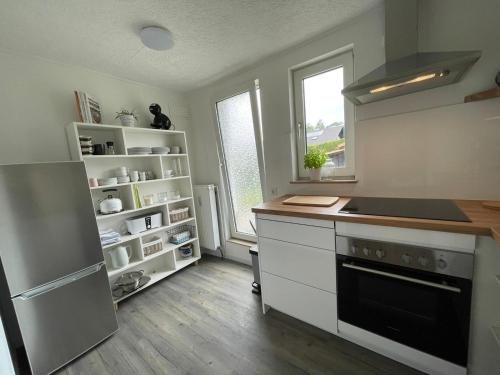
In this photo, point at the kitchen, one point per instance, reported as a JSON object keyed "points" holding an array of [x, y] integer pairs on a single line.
{"points": [[436, 143]]}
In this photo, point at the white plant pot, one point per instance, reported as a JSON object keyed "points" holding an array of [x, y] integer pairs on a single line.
{"points": [[128, 120], [315, 174]]}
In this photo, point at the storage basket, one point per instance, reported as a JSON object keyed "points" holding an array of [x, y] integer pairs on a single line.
{"points": [[179, 214], [181, 234], [153, 246]]}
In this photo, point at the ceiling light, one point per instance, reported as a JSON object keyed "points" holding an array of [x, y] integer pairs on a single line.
{"points": [[156, 38]]}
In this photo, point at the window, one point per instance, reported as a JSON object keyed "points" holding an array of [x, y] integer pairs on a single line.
{"points": [[241, 158], [324, 118]]}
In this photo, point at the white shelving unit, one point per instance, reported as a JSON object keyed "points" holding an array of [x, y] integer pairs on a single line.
{"points": [[168, 260]]}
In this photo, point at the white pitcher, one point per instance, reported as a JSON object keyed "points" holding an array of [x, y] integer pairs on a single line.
{"points": [[120, 256]]}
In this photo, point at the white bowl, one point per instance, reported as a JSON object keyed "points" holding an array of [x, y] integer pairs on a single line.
{"points": [[121, 172]]}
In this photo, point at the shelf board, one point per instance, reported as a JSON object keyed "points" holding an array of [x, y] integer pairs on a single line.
{"points": [[90, 126], [182, 199], [495, 330], [156, 205], [180, 264], [172, 246], [114, 272], [126, 212], [121, 156], [483, 95], [131, 237], [139, 182], [168, 248], [157, 276], [324, 181]]}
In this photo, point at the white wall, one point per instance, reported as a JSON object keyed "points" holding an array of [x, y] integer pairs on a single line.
{"points": [[37, 101], [366, 34], [450, 151]]}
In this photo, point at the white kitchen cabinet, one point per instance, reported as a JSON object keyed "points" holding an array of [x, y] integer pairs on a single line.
{"points": [[297, 265]]}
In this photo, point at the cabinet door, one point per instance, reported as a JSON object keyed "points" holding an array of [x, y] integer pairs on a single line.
{"points": [[307, 265], [310, 305]]}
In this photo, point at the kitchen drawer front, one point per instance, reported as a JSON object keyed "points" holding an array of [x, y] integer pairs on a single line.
{"points": [[323, 238], [307, 265], [311, 305]]}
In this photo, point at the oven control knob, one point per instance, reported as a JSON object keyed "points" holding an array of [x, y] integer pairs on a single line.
{"points": [[366, 251], [423, 261], [406, 258], [354, 250], [380, 253], [441, 263]]}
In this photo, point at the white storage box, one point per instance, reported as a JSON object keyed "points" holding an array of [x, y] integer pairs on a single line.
{"points": [[144, 222]]}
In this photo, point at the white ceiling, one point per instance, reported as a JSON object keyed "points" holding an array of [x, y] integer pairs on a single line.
{"points": [[212, 37]]}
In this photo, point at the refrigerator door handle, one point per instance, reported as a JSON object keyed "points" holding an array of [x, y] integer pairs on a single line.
{"points": [[35, 292]]}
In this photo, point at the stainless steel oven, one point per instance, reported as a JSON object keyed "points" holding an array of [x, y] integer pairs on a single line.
{"points": [[419, 297]]}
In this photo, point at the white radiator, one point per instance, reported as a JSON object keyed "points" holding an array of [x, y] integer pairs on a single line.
{"points": [[206, 211]]}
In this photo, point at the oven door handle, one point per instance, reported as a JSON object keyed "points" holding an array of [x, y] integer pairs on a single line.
{"points": [[405, 278]]}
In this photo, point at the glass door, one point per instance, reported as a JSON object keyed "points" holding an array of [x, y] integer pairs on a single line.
{"points": [[241, 158]]}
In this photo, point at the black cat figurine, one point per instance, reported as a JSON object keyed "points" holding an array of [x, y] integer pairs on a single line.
{"points": [[161, 121]]}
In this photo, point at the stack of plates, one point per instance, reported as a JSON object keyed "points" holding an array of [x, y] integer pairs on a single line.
{"points": [[161, 150], [107, 181], [139, 150]]}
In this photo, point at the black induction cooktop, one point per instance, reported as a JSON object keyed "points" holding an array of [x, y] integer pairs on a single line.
{"points": [[433, 209]]}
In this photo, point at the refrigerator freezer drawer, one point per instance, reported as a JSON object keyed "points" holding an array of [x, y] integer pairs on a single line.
{"points": [[59, 324]]}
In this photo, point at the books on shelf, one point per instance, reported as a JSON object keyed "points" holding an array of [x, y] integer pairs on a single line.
{"points": [[87, 108]]}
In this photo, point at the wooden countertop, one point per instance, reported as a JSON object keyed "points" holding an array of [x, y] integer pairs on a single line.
{"points": [[484, 221]]}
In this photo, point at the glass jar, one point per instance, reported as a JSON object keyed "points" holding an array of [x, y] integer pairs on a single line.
{"points": [[110, 148]]}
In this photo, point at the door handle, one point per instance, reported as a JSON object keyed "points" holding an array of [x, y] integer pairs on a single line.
{"points": [[35, 292], [401, 277]]}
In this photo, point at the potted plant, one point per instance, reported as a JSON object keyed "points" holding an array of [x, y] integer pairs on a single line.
{"points": [[314, 159], [127, 118]]}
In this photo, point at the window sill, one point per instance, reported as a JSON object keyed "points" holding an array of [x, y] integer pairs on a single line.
{"points": [[349, 180], [241, 242]]}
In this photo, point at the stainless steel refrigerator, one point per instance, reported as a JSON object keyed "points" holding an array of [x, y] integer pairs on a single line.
{"points": [[55, 299]]}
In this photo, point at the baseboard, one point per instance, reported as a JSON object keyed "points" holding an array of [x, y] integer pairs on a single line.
{"points": [[234, 251]]}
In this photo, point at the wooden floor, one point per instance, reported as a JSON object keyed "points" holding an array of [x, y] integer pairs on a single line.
{"points": [[205, 320]]}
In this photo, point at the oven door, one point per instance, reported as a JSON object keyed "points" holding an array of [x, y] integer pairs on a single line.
{"points": [[426, 311]]}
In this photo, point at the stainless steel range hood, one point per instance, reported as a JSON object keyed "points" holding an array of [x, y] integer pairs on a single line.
{"points": [[408, 70]]}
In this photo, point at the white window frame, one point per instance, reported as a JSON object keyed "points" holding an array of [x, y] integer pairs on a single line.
{"points": [[250, 87], [346, 60]]}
